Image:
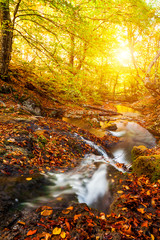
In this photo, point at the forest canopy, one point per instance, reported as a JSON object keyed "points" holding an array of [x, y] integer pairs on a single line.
{"points": [[84, 49]]}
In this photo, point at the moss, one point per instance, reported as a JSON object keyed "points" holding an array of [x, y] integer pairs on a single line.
{"points": [[42, 139], [147, 165], [138, 151]]}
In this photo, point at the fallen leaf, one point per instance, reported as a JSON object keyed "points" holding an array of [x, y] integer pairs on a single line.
{"points": [[59, 198], [43, 235], [56, 231], [77, 216], [152, 237], [144, 224], [67, 224], [120, 192], [46, 212], [153, 202], [31, 232], [22, 223], [70, 208], [141, 210], [63, 234], [148, 193], [28, 179], [65, 211]]}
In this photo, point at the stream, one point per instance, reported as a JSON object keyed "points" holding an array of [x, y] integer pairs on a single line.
{"points": [[92, 182]]}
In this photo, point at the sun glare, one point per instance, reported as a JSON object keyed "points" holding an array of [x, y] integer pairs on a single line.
{"points": [[124, 57]]}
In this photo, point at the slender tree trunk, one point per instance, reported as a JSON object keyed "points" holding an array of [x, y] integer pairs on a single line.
{"points": [[115, 84], [71, 57], [6, 36], [152, 86]]}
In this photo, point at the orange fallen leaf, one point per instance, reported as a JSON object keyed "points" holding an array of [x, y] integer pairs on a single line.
{"points": [[56, 231], [59, 198], [153, 202], [77, 216], [31, 232], [144, 224], [46, 212], [141, 210], [43, 235], [67, 224], [65, 211], [70, 208], [22, 223]]}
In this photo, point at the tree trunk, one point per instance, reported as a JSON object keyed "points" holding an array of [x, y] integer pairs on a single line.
{"points": [[152, 86], [5, 39]]}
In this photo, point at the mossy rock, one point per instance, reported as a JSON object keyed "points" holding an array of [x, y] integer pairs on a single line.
{"points": [[138, 151], [147, 165]]}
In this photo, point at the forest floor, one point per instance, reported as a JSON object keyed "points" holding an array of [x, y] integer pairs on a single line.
{"points": [[33, 145]]}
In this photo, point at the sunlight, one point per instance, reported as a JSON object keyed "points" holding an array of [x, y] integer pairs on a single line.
{"points": [[124, 57]]}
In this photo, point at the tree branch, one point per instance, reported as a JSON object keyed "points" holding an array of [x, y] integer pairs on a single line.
{"points": [[15, 11]]}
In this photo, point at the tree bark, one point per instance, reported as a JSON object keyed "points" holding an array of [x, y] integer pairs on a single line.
{"points": [[5, 39], [147, 82]]}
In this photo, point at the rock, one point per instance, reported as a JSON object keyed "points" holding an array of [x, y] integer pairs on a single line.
{"points": [[138, 151], [57, 113], [5, 89], [94, 120], [32, 107], [111, 127], [2, 104], [147, 165]]}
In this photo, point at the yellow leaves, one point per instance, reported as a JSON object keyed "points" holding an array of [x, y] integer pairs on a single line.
{"points": [[120, 192], [63, 234], [29, 179], [56, 231], [148, 193], [152, 237], [46, 212]]}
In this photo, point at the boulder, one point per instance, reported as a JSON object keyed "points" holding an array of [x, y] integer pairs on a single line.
{"points": [[32, 107], [147, 165], [138, 151]]}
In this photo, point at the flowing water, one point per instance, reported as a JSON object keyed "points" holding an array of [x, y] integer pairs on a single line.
{"points": [[91, 181]]}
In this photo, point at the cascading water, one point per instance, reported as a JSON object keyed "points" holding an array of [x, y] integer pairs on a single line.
{"points": [[89, 182]]}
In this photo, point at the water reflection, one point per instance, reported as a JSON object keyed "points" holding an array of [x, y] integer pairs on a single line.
{"points": [[124, 109]]}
